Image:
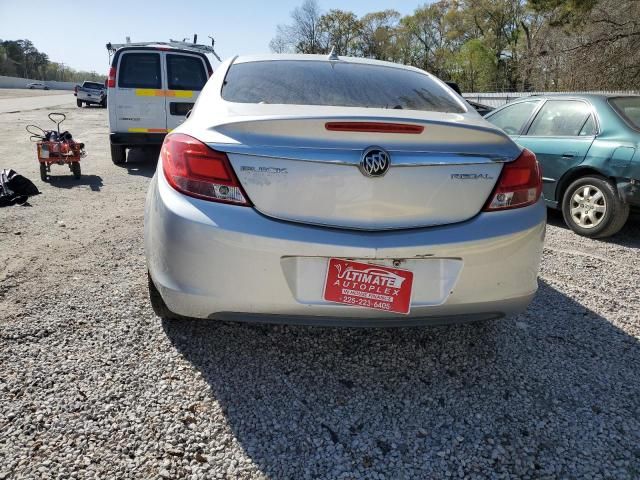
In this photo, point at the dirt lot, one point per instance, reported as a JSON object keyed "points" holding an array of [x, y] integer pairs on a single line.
{"points": [[15, 100], [93, 385], [17, 93]]}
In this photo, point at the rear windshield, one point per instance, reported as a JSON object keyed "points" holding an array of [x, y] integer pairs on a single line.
{"points": [[628, 108], [92, 85], [140, 70], [185, 72], [308, 82]]}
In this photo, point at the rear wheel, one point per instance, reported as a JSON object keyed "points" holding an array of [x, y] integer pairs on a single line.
{"points": [[43, 172], [79, 103], [118, 154], [75, 168], [592, 208], [157, 303]]}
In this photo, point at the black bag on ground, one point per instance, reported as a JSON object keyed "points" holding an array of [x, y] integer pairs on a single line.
{"points": [[15, 189]]}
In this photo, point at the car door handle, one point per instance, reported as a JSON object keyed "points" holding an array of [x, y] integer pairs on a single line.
{"points": [[569, 154]]}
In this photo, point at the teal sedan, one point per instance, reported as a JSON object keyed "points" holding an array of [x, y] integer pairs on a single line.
{"points": [[589, 149]]}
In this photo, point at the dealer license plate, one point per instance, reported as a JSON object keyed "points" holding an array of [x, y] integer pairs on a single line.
{"points": [[369, 286]]}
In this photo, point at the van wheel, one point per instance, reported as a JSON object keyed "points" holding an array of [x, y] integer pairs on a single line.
{"points": [[75, 169], [157, 303], [79, 103], [592, 208], [118, 154]]}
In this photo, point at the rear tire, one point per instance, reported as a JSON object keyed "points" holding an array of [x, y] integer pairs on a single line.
{"points": [[157, 303], [592, 208], [79, 103], [43, 172], [118, 154], [76, 170]]}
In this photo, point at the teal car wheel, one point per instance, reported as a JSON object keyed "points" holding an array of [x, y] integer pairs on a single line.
{"points": [[588, 206], [591, 207]]}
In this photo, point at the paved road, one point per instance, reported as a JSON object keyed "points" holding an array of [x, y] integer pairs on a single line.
{"points": [[24, 100]]}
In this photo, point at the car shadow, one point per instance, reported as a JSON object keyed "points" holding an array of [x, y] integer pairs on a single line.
{"points": [[514, 396], [94, 182], [629, 236], [554, 217], [142, 161]]}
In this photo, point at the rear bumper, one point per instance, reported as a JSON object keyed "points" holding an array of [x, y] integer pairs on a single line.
{"points": [[84, 98], [225, 262], [127, 139]]}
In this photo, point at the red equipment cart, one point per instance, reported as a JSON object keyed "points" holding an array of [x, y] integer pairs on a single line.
{"points": [[55, 147]]}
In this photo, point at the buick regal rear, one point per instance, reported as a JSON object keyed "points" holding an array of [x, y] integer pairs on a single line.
{"points": [[313, 190]]}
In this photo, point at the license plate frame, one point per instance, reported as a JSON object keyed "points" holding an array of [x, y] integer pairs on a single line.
{"points": [[368, 285]]}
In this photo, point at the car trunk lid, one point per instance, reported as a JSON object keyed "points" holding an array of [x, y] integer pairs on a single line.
{"points": [[442, 169]]}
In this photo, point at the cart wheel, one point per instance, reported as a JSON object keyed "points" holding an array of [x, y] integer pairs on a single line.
{"points": [[75, 168], [43, 172]]}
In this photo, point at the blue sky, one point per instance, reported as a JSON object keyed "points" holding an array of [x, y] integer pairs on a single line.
{"points": [[239, 26]]}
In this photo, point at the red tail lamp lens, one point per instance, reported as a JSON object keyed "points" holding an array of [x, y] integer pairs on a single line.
{"points": [[111, 79], [519, 185], [192, 168]]}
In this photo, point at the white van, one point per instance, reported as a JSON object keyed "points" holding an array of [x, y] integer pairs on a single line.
{"points": [[151, 88]]}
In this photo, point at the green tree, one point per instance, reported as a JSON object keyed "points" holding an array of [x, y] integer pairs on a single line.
{"points": [[430, 36], [487, 44], [474, 66], [340, 29], [379, 35]]}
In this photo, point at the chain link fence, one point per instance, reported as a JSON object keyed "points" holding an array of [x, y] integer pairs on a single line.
{"points": [[497, 99]]}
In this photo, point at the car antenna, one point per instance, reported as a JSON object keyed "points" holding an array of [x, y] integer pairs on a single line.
{"points": [[333, 55]]}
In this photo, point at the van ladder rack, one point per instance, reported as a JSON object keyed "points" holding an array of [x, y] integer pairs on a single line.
{"points": [[196, 47]]}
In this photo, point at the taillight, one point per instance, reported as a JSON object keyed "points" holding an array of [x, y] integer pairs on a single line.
{"points": [[519, 185], [196, 170], [111, 79]]}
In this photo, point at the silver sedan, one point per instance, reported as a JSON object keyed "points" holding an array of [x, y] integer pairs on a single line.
{"points": [[342, 191]]}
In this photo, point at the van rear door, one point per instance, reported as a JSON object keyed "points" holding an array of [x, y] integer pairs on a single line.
{"points": [[139, 100], [186, 76]]}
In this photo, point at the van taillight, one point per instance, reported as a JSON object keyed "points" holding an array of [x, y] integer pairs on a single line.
{"points": [[111, 79], [519, 185], [192, 168]]}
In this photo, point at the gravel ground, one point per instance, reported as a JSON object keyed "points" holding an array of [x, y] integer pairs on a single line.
{"points": [[93, 385]]}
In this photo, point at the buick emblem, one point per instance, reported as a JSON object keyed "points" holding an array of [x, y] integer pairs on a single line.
{"points": [[375, 162]]}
